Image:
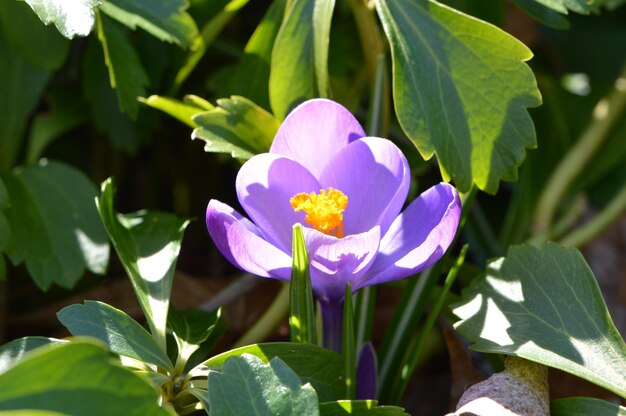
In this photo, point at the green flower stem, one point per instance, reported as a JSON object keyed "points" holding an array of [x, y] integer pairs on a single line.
{"points": [[273, 316], [369, 33], [607, 112], [584, 234]]}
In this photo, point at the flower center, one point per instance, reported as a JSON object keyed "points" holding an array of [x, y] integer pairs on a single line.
{"points": [[324, 210]]}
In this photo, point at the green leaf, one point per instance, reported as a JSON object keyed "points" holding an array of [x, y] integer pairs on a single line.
{"points": [[302, 324], [147, 244], [181, 111], [166, 20], [21, 86], [237, 126], [461, 91], [42, 46], [585, 406], [299, 68], [248, 386], [359, 408], [545, 306], [70, 18], [191, 328], [563, 6], [68, 112], [542, 14], [12, 352], [4, 196], [251, 76], [125, 70], [118, 331], [348, 348], [54, 223], [316, 365], [77, 378]]}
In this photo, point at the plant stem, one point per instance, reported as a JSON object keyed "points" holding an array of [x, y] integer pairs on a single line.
{"points": [[332, 318], [369, 33], [607, 112], [584, 234], [272, 317]]}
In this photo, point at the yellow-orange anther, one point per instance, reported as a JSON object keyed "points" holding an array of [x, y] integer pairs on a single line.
{"points": [[324, 211]]}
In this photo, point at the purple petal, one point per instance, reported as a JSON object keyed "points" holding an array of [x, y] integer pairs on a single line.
{"points": [[366, 378], [314, 132], [241, 243], [337, 261], [375, 176], [265, 184], [418, 237]]}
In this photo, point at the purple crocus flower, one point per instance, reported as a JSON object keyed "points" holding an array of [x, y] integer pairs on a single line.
{"points": [[347, 190]]}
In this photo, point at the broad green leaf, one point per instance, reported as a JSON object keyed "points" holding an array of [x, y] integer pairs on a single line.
{"points": [[78, 378], [118, 331], [209, 32], [248, 386], [318, 366], [585, 406], [543, 14], [545, 306], [71, 18], [67, 112], [12, 352], [54, 223], [251, 75], [31, 412], [148, 244], [563, 6], [42, 46], [179, 110], [299, 68], [461, 91], [237, 126], [166, 20], [359, 408], [302, 324], [125, 70], [191, 328], [21, 86]]}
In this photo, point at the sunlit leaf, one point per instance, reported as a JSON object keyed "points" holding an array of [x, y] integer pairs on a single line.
{"points": [[126, 73], [302, 324], [461, 91], [585, 406], [118, 331], [179, 110], [166, 20], [316, 365], [545, 306], [148, 244], [247, 386], [78, 378], [54, 223], [563, 6], [191, 328], [71, 17], [299, 60], [543, 14], [12, 352], [237, 126], [359, 408]]}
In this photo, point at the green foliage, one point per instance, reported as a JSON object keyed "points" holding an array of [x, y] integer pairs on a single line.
{"points": [[545, 306], [563, 6], [584, 406], [54, 223], [12, 352], [440, 56], [181, 111], [359, 408], [127, 75], [348, 348], [118, 331], [77, 378], [543, 14], [236, 126], [70, 18], [248, 386], [298, 66], [148, 245], [318, 366], [166, 20], [191, 328], [302, 325]]}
